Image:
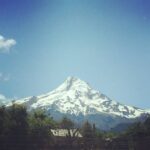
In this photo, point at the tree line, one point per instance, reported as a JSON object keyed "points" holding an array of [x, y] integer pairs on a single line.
{"points": [[22, 130]]}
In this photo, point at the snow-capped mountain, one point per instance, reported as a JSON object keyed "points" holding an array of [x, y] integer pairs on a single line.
{"points": [[78, 100]]}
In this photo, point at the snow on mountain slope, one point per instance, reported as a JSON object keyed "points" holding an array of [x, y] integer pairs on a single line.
{"points": [[76, 97]]}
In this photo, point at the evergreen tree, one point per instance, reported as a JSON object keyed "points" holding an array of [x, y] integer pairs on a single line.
{"points": [[88, 136], [67, 124], [15, 127]]}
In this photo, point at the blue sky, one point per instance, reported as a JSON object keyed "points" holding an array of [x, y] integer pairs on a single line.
{"points": [[104, 42]]}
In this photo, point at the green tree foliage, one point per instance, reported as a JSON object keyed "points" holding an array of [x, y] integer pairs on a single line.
{"points": [[88, 136], [20, 130], [66, 123], [14, 127], [39, 129], [137, 129], [87, 130], [69, 125], [18, 119], [147, 125], [3, 120]]}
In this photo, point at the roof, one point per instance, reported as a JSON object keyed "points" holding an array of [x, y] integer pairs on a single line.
{"points": [[64, 132]]}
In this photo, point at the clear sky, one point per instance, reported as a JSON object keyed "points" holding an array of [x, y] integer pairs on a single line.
{"points": [[104, 42]]}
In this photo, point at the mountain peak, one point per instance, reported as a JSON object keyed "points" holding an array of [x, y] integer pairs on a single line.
{"points": [[74, 79], [71, 79], [73, 83]]}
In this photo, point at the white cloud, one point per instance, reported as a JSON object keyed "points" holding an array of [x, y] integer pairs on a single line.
{"points": [[3, 100], [2, 97], [6, 44]]}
